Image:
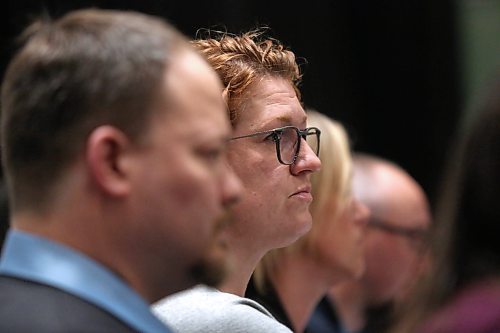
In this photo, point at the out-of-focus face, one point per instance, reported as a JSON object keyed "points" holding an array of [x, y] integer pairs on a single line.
{"points": [[274, 210], [393, 260], [340, 242], [183, 182]]}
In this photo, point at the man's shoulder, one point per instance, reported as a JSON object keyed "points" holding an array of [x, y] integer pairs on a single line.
{"points": [[215, 311], [28, 305]]}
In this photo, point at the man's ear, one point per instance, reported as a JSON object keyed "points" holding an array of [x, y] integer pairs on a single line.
{"points": [[105, 151]]}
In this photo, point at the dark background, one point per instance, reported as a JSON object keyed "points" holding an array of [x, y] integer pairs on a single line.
{"points": [[387, 69]]}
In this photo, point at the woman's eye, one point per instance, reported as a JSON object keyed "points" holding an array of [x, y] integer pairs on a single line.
{"points": [[272, 137]]}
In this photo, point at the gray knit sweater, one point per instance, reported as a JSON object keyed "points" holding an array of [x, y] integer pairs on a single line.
{"points": [[204, 309]]}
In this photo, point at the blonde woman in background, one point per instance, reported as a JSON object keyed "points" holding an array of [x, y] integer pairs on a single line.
{"points": [[291, 281]]}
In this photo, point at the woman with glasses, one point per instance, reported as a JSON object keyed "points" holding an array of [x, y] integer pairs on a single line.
{"points": [[274, 154], [292, 280]]}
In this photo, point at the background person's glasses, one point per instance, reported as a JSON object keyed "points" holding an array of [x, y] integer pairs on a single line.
{"points": [[418, 237], [288, 139]]}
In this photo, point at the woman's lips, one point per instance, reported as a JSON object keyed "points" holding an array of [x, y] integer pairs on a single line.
{"points": [[303, 194]]}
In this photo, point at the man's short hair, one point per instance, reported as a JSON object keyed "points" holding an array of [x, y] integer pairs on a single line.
{"points": [[86, 69]]}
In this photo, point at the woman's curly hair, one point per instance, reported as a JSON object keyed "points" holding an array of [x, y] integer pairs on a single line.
{"points": [[242, 60]]}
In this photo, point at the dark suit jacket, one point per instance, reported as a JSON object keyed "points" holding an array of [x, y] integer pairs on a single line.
{"points": [[32, 307]]}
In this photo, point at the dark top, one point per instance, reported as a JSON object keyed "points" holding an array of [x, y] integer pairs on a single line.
{"points": [[379, 319], [324, 319], [270, 300]]}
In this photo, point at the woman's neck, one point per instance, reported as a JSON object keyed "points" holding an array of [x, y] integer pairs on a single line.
{"points": [[349, 304], [300, 283], [244, 259]]}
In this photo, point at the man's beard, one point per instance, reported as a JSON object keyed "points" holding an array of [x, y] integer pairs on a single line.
{"points": [[213, 268]]}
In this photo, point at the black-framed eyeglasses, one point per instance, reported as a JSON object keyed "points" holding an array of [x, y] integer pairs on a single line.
{"points": [[418, 237], [287, 140]]}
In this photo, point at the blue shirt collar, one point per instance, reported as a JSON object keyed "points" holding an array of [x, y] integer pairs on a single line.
{"points": [[40, 260]]}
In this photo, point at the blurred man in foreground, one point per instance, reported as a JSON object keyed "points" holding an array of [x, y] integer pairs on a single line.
{"points": [[113, 141]]}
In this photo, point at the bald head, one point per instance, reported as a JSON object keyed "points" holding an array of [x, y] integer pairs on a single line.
{"points": [[389, 190], [400, 214]]}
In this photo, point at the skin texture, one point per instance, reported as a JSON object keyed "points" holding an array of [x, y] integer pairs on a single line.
{"points": [[274, 210]]}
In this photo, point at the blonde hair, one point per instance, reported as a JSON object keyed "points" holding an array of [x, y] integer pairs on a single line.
{"points": [[241, 61], [334, 178], [331, 185]]}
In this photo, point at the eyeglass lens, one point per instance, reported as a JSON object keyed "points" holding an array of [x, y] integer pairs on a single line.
{"points": [[289, 143], [313, 141]]}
